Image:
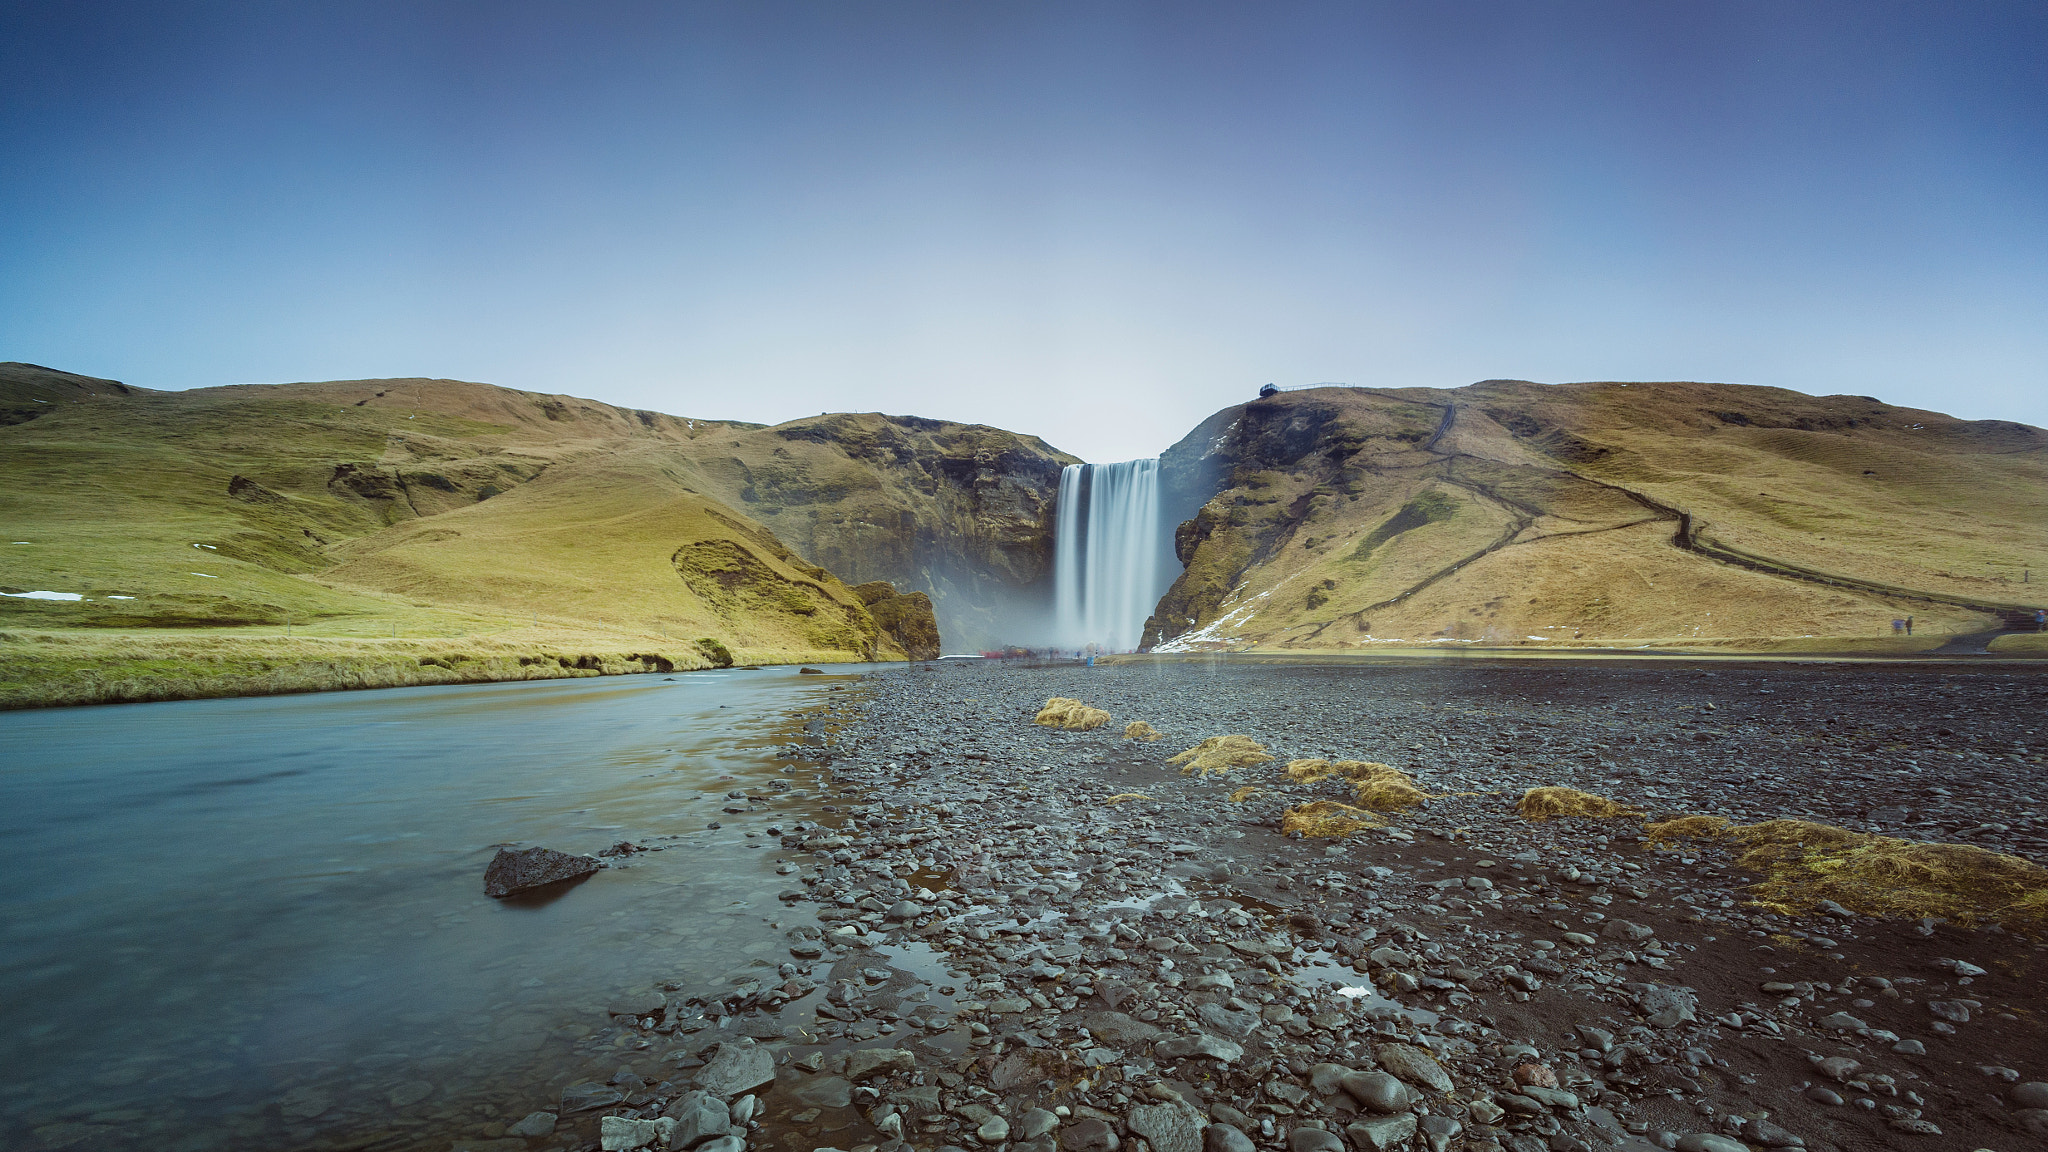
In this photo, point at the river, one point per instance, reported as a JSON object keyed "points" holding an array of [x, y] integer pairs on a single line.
{"points": [[260, 922]]}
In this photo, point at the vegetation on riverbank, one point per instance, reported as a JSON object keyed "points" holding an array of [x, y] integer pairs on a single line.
{"points": [[48, 669]]}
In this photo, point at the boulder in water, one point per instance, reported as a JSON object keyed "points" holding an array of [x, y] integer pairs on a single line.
{"points": [[532, 867]]}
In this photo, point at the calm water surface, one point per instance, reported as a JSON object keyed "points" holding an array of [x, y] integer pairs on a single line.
{"points": [[261, 922]]}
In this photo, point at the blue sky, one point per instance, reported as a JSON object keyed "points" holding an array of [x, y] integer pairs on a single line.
{"points": [[1095, 222]]}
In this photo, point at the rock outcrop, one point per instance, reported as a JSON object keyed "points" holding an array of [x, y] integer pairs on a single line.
{"points": [[905, 617]]}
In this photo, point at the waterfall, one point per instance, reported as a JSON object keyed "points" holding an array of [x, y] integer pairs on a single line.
{"points": [[1110, 558]]}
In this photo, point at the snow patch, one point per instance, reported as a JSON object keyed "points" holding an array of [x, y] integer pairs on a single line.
{"points": [[120, 597], [208, 575], [45, 595], [208, 547]]}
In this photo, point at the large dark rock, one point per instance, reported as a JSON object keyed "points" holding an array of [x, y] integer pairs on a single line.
{"points": [[532, 867], [904, 617]]}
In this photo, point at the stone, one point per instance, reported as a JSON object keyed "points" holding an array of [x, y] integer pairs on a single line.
{"points": [[1843, 1022], [589, 1094], [533, 1124], [1226, 1138], [1234, 1024], [1910, 1048], [1326, 1078], [1667, 1005], [1838, 1068], [1708, 1142], [993, 1130], [743, 1110], [739, 1066], [1485, 1112], [1119, 1029], [725, 1143], [699, 1116], [1770, 1135], [1382, 1133], [619, 1134], [1626, 930], [530, 868], [1210, 1047], [2034, 1120], [636, 1004], [1539, 1075], [1821, 1095], [1550, 1097], [1953, 1011], [1414, 1065], [867, 1063], [1914, 1126], [1036, 1123], [1378, 1091], [1313, 1140], [1173, 1126], [2033, 1094], [1088, 1134], [409, 1093], [825, 1092], [1439, 1131]]}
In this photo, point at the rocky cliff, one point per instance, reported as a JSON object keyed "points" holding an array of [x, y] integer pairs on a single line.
{"points": [[1506, 511], [960, 512]]}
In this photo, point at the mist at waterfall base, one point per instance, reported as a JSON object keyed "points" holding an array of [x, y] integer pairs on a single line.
{"points": [[1112, 556]]}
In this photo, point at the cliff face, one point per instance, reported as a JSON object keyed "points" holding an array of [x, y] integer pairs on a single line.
{"points": [[960, 512], [1340, 517]]}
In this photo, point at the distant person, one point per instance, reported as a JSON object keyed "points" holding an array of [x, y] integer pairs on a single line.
{"points": [[2041, 619], [1909, 625]]}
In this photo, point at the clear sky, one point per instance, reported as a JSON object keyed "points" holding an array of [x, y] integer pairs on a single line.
{"points": [[1097, 222]]}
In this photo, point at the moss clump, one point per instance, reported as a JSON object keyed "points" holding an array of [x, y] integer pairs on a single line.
{"points": [[1139, 730], [1120, 797], [1221, 754], [715, 651], [1380, 787], [1804, 863], [1240, 795], [1544, 803], [1061, 712], [1327, 819]]}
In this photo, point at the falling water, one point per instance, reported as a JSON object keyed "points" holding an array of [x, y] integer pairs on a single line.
{"points": [[1109, 555]]}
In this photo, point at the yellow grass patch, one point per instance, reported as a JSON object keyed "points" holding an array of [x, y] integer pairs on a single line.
{"points": [[1221, 754], [1139, 730], [1061, 712], [1380, 787], [1544, 803], [1804, 863], [1245, 793], [1120, 797], [1327, 819]]}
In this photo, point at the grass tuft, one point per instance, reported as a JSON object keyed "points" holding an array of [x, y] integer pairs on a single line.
{"points": [[1139, 730], [1221, 754], [1061, 712], [1544, 803], [1804, 863], [1380, 787], [1327, 819]]}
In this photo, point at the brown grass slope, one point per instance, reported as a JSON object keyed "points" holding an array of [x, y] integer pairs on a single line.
{"points": [[396, 509], [1336, 518]]}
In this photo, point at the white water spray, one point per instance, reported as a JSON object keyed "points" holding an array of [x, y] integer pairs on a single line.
{"points": [[1109, 555]]}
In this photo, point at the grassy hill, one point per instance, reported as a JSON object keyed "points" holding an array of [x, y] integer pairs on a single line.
{"points": [[1335, 518], [384, 513]]}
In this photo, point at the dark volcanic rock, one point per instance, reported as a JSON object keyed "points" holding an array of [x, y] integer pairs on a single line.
{"points": [[532, 867]]}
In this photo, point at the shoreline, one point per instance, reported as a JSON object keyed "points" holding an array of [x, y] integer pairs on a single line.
{"points": [[1107, 949], [48, 669]]}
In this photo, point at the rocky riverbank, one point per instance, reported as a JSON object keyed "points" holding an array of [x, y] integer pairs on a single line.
{"points": [[1016, 938]]}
